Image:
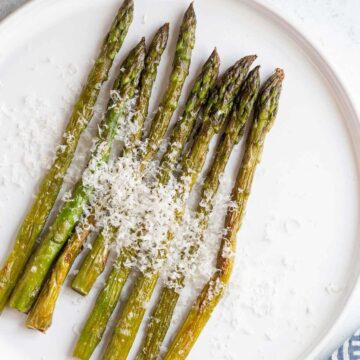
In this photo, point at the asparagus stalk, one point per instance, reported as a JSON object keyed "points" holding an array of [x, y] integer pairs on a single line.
{"points": [[36, 269], [162, 314], [199, 314], [95, 326], [50, 186], [94, 263], [184, 126], [180, 71], [41, 314], [216, 111], [152, 61]]}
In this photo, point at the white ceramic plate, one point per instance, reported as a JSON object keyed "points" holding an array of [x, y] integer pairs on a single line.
{"points": [[298, 249]]}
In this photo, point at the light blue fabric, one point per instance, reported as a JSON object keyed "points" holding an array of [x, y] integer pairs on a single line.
{"points": [[350, 350]]}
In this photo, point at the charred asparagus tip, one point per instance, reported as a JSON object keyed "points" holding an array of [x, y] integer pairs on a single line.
{"points": [[215, 55], [190, 12], [129, 3], [250, 57], [165, 27], [280, 73]]}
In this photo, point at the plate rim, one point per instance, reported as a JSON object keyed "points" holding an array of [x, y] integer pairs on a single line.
{"points": [[347, 105], [327, 69]]}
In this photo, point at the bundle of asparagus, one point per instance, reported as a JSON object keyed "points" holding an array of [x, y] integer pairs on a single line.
{"points": [[95, 261], [215, 113], [40, 316], [35, 219], [124, 88], [211, 105], [109, 295], [265, 114], [162, 314]]}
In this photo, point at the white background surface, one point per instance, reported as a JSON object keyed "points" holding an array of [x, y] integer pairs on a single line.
{"points": [[334, 27]]}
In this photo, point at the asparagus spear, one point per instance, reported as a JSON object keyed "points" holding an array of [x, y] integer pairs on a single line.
{"points": [[181, 65], [162, 314], [185, 125], [50, 186], [41, 314], [216, 111], [36, 269], [148, 77], [95, 326], [212, 292], [94, 263]]}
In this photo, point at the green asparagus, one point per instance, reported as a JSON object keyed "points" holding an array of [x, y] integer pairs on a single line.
{"points": [[95, 326], [148, 77], [234, 129], [95, 261], [50, 186], [41, 314], [199, 314], [215, 113], [29, 284], [181, 65], [185, 125]]}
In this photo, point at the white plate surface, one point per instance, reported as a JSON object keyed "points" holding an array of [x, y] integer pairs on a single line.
{"points": [[298, 248]]}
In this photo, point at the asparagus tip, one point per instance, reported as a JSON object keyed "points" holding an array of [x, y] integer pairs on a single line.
{"points": [[215, 55], [165, 27], [280, 73], [256, 69], [128, 3], [161, 37], [250, 57], [190, 12], [141, 45], [246, 60]]}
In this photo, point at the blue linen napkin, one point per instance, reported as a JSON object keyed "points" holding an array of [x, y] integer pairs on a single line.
{"points": [[350, 350]]}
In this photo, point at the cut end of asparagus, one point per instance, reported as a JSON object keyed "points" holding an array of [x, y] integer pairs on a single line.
{"points": [[19, 304], [79, 290], [37, 327]]}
